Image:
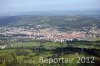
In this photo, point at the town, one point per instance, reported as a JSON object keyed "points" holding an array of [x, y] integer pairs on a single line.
{"points": [[49, 33]]}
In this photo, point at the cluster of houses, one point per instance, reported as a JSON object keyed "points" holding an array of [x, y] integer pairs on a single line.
{"points": [[49, 34]]}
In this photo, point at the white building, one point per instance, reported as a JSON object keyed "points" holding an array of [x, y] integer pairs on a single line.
{"points": [[3, 47]]}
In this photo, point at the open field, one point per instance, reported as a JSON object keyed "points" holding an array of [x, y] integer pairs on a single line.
{"points": [[46, 45]]}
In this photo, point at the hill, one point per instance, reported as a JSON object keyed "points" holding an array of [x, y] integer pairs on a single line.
{"points": [[69, 21]]}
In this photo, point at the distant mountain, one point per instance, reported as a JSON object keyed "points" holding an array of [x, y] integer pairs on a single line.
{"points": [[70, 21], [52, 13]]}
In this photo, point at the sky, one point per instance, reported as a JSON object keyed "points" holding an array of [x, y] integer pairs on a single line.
{"points": [[14, 6]]}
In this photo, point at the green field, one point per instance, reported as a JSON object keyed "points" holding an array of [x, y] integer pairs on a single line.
{"points": [[19, 54], [46, 45]]}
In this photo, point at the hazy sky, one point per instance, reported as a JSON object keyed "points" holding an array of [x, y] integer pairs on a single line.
{"points": [[8, 6]]}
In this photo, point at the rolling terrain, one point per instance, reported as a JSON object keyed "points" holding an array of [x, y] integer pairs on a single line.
{"points": [[62, 21]]}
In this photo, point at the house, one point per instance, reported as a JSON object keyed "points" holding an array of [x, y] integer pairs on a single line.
{"points": [[3, 46]]}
